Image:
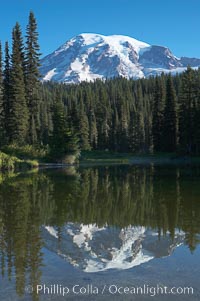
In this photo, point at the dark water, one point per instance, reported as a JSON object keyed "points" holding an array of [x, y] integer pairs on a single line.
{"points": [[100, 232]]}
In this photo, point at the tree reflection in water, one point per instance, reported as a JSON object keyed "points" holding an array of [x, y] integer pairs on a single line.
{"points": [[159, 198]]}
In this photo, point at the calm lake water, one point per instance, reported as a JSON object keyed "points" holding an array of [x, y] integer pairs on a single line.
{"points": [[101, 233]]}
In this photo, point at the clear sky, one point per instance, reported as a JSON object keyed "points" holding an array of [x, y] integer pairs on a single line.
{"points": [[172, 23]]}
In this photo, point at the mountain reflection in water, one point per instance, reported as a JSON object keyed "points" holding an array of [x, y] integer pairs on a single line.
{"points": [[94, 249], [96, 218]]}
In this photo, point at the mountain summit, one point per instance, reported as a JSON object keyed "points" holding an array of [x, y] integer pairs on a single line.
{"points": [[87, 57]]}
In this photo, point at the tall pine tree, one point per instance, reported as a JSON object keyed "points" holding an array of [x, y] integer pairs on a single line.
{"points": [[83, 128], [18, 111], [32, 75], [170, 130], [189, 96], [6, 89], [158, 114], [63, 141], [2, 112]]}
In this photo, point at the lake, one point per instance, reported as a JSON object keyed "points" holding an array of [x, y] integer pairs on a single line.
{"points": [[120, 232]]}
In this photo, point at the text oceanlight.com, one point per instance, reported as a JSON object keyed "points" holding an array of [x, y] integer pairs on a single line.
{"points": [[112, 289]]}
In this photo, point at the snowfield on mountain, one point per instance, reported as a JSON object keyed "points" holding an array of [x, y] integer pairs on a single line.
{"points": [[87, 57]]}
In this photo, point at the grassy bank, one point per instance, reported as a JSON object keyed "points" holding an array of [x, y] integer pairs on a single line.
{"points": [[15, 158], [12, 163], [103, 157]]}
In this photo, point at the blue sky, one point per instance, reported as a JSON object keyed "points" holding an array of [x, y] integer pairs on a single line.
{"points": [[172, 23]]}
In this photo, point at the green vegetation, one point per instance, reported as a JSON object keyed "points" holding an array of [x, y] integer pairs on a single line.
{"points": [[26, 152], [63, 143], [11, 163], [107, 157], [98, 157], [57, 122], [31, 126], [128, 116]]}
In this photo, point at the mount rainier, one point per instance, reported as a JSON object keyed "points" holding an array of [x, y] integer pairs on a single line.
{"points": [[93, 249], [87, 57]]}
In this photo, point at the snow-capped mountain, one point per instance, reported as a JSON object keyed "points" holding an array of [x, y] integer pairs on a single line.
{"points": [[93, 249], [90, 56]]}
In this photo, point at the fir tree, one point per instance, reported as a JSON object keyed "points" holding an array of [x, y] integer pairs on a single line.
{"points": [[32, 75], [63, 141], [6, 89], [18, 111], [115, 131], [124, 129], [158, 114], [93, 134], [170, 130], [137, 133], [137, 123], [188, 100], [148, 124], [2, 112], [83, 129]]}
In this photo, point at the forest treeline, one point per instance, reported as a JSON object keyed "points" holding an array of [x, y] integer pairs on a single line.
{"points": [[158, 114]]}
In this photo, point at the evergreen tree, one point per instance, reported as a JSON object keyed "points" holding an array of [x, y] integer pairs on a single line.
{"points": [[2, 112], [188, 99], [32, 75], [137, 133], [93, 134], [137, 125], [158, 114], [104, 133], [148, 124], [102, 115], [18, 111], [6, 89], [170, 130], [63, 141], [115, 132], [124, 129], [83, 129]]}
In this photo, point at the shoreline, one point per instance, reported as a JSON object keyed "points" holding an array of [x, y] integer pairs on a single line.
{"points": [[96, 158]]}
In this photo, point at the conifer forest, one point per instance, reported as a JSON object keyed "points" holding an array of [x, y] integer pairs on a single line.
{"points": [[158, 114]]}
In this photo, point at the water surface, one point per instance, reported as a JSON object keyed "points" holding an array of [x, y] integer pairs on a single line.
{"points": [[100, 227]]}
